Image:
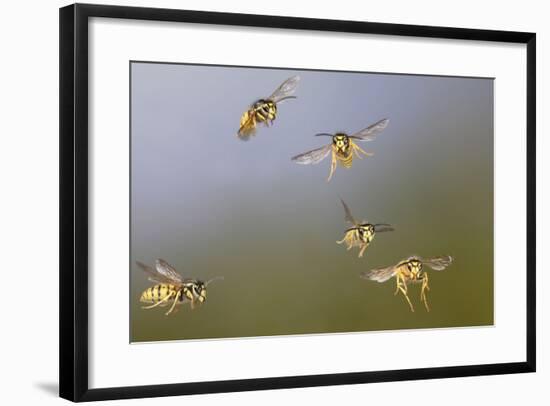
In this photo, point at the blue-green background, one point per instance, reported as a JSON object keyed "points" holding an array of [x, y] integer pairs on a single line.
{"points": [[212, 205]]}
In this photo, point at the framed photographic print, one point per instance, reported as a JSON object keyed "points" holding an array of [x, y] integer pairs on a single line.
{"points": [[267, 202]]}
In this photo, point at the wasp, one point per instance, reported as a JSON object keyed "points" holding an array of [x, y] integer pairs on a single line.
{"points": [[343, 147], [360, 234], [265, 110], [170, 286], [410, 270]]}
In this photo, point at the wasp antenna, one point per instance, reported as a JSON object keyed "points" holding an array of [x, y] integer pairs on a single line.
{"points": [[220, 278], [286, 98], [381, 227], [343, 203], [323, 134]]}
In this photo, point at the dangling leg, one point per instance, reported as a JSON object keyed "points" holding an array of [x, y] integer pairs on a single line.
{"points": [[175, 302], [363, 248], [407, 297], [349, 244], [354, 149], [158, 303], [271, 117], [425, 287], [332, 166], [358, 148], [345, 239], [348, 239], [397, 277], [402, 286]]}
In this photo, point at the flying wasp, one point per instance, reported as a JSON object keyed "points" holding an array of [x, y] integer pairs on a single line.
{"points": [[410, 270], [360, 234], [265, 110], [170, 286], [343, 147]]}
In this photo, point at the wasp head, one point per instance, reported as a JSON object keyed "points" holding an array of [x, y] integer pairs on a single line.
{"points": [[415, 267], [366, 232], [341, 142], [199, 290]]}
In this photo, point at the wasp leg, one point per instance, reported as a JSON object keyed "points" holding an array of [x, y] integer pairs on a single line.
{"points": [[398, 284], [425, 287], [407, 297], [355, 149], [348, 243], [271, 118], [174, 304], [159, 302], [402, 286], [358, 148], [332, 166], [363, 248]]}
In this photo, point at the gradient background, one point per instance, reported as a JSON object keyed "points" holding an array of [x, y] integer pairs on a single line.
{"points": [[212, 205]]}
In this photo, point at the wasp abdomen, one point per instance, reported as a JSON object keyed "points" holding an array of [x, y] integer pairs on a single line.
{"points": [[345, 160], [157, 293]]}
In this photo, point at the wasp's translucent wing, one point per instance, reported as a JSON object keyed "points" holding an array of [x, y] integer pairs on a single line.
{"points": [[438, 263], [153, 275], [380, 228], [166, 270], [349, 217], [313, 157], [369, 133], [285, 90], [380, 274]]}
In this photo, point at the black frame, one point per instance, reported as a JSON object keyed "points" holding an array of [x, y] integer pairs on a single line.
{"points": [[73, 250]]}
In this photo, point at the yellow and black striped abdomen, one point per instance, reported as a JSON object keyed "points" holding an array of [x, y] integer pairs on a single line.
{"points": [[345, 159], [159, 292]]}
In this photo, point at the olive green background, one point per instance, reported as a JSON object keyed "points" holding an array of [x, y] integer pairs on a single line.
{"points": [[212, 205]]}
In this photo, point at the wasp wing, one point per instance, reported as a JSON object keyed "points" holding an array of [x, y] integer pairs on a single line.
{"points": [[438, 263], [313, 157], [379, 274], [369, 133], [168, 271], [349, 217], [152, 275], [380, 228], [285, 90]]}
